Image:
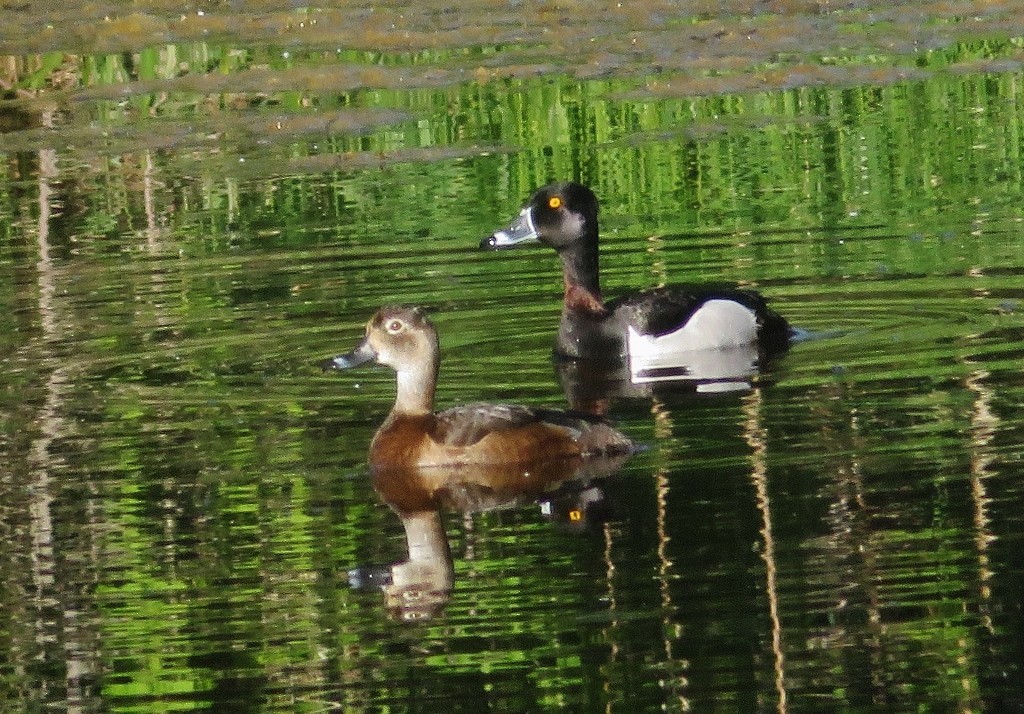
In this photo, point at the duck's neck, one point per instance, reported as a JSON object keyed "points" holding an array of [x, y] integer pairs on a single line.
{"points": [[580, 273], [416, 390]]}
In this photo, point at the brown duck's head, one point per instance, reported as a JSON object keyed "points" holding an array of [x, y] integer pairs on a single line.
{"points": [[400, 337]]}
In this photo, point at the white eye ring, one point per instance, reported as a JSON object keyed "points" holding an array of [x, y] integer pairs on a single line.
{"points": [[394, 327]]}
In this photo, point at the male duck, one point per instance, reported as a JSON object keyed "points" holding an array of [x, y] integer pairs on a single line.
{"points": [[413, 436], [672, 319]]}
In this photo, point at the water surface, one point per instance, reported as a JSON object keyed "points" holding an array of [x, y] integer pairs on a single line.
{"points": [[198, 207]]}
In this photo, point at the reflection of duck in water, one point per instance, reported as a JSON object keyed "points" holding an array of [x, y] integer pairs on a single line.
{"points": [[590, 385], [471, 457], [577, 506], [663, 333], [421, 585]]}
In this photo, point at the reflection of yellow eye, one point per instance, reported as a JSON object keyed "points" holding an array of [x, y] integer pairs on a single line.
{"points": [[555, 202], [575, 515]]}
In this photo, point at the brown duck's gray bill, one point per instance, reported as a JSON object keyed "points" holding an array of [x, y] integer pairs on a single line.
{"points": [[520, 231], [361, 354]]}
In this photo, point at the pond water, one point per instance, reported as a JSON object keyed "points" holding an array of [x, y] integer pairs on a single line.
{"points": [[197, 207]]}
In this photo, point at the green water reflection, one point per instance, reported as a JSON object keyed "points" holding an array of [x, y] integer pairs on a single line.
{"points": [[187, 229]]}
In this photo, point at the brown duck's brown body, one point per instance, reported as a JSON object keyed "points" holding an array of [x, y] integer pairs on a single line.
{"points": [[489, 434], [404, 440], [414, 436]]}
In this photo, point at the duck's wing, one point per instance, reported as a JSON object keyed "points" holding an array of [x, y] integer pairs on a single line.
{"points": [[661, 310], [465, 425]]}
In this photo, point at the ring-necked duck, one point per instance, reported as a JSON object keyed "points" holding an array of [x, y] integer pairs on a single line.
{"points": [[413, 436], [640, 325]]}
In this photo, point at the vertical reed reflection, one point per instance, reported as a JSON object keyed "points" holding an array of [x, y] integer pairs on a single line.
{"points": [[663, 430], [984, 425], [756, 438], [76, 658]]}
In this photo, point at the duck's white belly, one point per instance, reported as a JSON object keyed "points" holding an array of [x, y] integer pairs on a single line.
{"points": [[717, 345], [717, 324]]}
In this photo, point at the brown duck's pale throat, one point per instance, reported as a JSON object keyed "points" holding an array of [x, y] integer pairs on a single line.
{"points": [[416, 386]]}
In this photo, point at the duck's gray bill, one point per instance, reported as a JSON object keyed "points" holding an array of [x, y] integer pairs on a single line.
{"points": [[360, 355], [520, 231]]}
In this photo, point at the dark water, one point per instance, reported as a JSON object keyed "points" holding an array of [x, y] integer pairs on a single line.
{"points": [[195, 209]]}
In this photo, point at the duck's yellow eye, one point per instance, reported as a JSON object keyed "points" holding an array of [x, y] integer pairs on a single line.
{"points": [[394, 327], [555, 202]]}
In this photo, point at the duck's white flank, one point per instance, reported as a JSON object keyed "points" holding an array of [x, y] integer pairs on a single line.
{"points": [[717, 324]]}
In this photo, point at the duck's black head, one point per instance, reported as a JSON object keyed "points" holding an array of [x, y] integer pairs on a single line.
{"points": [[559, 215]]}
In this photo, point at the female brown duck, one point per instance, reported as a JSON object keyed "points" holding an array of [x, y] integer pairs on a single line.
{"points": [[414, 436]]}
